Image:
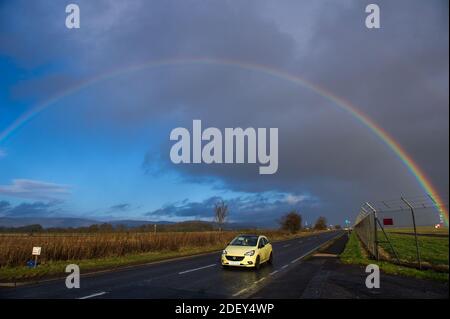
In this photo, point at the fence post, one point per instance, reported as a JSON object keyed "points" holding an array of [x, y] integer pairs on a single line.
{"points": [[375, 234], [388, 240], [415, 230]]}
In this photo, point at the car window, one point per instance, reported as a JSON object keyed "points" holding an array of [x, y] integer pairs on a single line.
{"points": [[261, 242], [245, 241]]}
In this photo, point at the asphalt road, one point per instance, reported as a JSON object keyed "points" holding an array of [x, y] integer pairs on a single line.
{"points": [[193, 277]]}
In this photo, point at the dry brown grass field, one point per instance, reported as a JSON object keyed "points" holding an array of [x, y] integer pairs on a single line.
{"points": [[15, 249]]}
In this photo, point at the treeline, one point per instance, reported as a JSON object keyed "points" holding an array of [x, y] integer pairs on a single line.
{"points": [[293, 222], [109, 228]]}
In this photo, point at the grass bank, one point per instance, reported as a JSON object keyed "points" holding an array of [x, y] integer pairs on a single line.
{"points": [[433, 251], [355, 254]]}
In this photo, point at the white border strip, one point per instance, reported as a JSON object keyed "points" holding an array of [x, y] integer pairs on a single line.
{"points": [[195, 269], [94, 295]]}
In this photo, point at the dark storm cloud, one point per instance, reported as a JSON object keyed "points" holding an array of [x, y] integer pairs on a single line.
{"points": [[398, 75], [139, 31]]}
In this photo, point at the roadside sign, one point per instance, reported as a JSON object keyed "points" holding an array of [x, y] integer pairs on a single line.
{"points": [[36, 251], [388, 221]]}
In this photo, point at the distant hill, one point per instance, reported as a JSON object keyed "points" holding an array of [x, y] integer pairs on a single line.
{"points": [[46, 222], [136, 223], [66, 222]]}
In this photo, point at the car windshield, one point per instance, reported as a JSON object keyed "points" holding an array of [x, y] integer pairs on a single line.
{"points": [[245, 241]]}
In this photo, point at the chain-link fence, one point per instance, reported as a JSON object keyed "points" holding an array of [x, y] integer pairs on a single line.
{"points": [[409, 231], [366, 230]]}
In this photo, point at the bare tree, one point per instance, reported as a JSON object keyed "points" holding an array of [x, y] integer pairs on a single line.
{"points": [[321, 223], [291, 222], [220, 213]]}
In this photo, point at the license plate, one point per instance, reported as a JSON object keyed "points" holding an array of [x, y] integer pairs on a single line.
{"points": [[234, 263]]}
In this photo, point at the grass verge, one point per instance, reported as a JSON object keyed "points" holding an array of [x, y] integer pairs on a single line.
{"points": [[425, 230], [355, 254], [432, 250], [55, 268]]}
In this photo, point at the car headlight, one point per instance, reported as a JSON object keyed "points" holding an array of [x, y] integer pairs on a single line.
{"points": [[250, 253], [224, 252]]}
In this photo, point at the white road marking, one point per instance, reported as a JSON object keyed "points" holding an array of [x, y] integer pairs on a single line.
{"points": [[240, 292], [284, 267], [191, 270], [304, 255], [94, 295], [287, 245], [297, 259]]}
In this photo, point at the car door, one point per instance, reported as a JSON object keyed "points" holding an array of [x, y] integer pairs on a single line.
{"points": [[261, 249], [266, 248], [264, 254]]}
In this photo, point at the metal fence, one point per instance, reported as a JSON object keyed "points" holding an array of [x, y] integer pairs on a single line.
{"points": [[382, 226], [366, 230]]}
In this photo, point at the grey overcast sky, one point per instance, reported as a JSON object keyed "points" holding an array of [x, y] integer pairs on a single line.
{"points": [[103, 151]]}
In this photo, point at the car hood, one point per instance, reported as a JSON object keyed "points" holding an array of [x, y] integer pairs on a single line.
{"points": [[238, 250]]}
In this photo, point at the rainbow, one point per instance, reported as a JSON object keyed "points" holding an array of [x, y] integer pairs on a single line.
{"points": [[345, 105]]}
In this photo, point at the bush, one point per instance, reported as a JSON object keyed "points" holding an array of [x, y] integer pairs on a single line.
{"points": [[291, 222], [321, 223]]}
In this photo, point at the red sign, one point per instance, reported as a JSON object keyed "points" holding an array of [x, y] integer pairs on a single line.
{"points": [[388, 221]]}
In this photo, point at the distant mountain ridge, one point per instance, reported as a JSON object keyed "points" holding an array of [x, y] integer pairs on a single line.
{"points": [[46, 222], [136, 223], [66, 222]]}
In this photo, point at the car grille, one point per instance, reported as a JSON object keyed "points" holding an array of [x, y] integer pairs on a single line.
{"points": [[234, 258]]}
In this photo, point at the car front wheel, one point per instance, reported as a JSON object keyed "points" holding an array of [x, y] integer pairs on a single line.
{"points": [[270, 261], [257, 263]]}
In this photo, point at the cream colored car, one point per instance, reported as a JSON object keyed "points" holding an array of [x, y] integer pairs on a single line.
{"points": [[247, 251]]}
